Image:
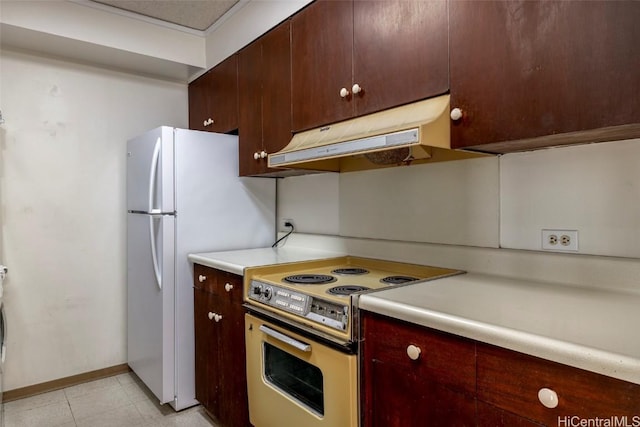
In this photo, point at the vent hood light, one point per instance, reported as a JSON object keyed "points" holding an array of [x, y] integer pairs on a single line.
{"points": [[412, 133]]}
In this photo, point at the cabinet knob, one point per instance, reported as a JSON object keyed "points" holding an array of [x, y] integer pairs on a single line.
{"points": [[344, 92], [208, 122], [356, 88], [413, 352], [217, 317], [548, 397], [228, 287], [202, 278], [256, 156], [263, 154], [456, 114], [211, 315]]}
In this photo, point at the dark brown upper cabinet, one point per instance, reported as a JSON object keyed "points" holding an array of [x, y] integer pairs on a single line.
{"points": [[351, 58], [264, 87], [521, 70], [213, 98]]}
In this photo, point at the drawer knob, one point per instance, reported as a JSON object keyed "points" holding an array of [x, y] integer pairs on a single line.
{"points": [[413, 352], [456, 114], [356, 88], [202, 278], [228, 287], [548, 397], [344, 92], [211, 315], [256, 156]]}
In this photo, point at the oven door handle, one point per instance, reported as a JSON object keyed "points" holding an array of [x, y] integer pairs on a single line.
{"points": [[285, 339]]}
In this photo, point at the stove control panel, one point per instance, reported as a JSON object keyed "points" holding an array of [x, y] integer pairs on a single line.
{"points": [[326, 313]]}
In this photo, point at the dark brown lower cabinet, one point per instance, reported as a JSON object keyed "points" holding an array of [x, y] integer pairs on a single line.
{"points": [[221, 378], [435, 389], [454, 381]]}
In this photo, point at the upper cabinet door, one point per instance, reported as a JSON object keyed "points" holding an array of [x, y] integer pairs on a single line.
{"points": [[213, 98], [525, 69], [250, 109], [400, 52], [321, 50], [276, 91], [264, 86]]}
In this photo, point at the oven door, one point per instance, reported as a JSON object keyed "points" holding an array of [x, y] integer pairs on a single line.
{"points": [[295, 381]]}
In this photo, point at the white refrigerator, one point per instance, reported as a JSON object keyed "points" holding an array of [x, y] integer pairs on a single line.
{"points": [[183, 195]]}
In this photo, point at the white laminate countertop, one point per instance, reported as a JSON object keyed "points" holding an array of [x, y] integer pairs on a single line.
{"points": [[236, 261], [592, 329]]}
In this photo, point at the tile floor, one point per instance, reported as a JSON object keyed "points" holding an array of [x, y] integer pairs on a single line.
{"points": [[118, 401]]}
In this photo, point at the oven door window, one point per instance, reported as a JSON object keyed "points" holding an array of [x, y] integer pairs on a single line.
{"points": [[294, 377]]}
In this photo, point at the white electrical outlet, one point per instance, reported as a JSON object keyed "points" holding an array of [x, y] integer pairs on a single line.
{"points": [[284, 221], [560, 240]]}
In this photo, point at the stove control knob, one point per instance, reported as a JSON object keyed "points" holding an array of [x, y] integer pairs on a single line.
{"points": [[413, 352], [267, 293], [256, 290]]}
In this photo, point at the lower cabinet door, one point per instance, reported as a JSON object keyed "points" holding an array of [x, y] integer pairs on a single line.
{"points": [[206, 351], [396, 398]]}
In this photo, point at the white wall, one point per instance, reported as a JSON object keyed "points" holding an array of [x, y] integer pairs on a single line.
{"points": [[62, 172], [95, 26], [252, 19], [489, 203]]}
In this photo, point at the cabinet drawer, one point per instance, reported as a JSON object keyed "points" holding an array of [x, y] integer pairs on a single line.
{"points": [[443, 358], [512, 381], [217, 281]]}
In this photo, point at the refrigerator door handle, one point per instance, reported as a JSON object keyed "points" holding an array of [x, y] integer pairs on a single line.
{"points": [[154, 254], [153, 173], [3, 346]]}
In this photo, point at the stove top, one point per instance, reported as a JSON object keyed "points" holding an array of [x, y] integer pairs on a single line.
{"points": [[321, 294]]}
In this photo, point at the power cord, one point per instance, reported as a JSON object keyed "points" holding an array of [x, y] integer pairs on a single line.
{"points": [[286, 224]]}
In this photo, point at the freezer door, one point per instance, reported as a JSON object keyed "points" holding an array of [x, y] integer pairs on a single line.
{"points": [[150, 172], [151, 301]]}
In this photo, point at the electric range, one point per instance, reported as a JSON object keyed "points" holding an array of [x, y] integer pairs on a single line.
{"points": [[321, 296]]}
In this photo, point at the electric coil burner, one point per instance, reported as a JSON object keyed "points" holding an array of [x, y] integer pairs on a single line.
{"points": [[398, 280], [309, 279], [353, 271], [346, 290]]}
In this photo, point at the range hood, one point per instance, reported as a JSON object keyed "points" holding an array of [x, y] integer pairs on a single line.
{"points": [[412, 133]]}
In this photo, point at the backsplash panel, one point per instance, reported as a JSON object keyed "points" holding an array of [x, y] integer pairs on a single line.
{"points": [[450, 202], [490, 202], [594, 189]]}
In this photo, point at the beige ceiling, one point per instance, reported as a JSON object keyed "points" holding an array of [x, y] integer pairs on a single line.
{"points": [[196, 14]]}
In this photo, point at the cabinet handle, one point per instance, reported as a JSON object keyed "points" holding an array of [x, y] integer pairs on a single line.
{"points": [[344, 92], [228, 287], [263, 154], [413, 352], [217, 317], [202, 278], [208, 122], [211, 315], [256, 156], [548, 397], [456, 114], [356, 89]]}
